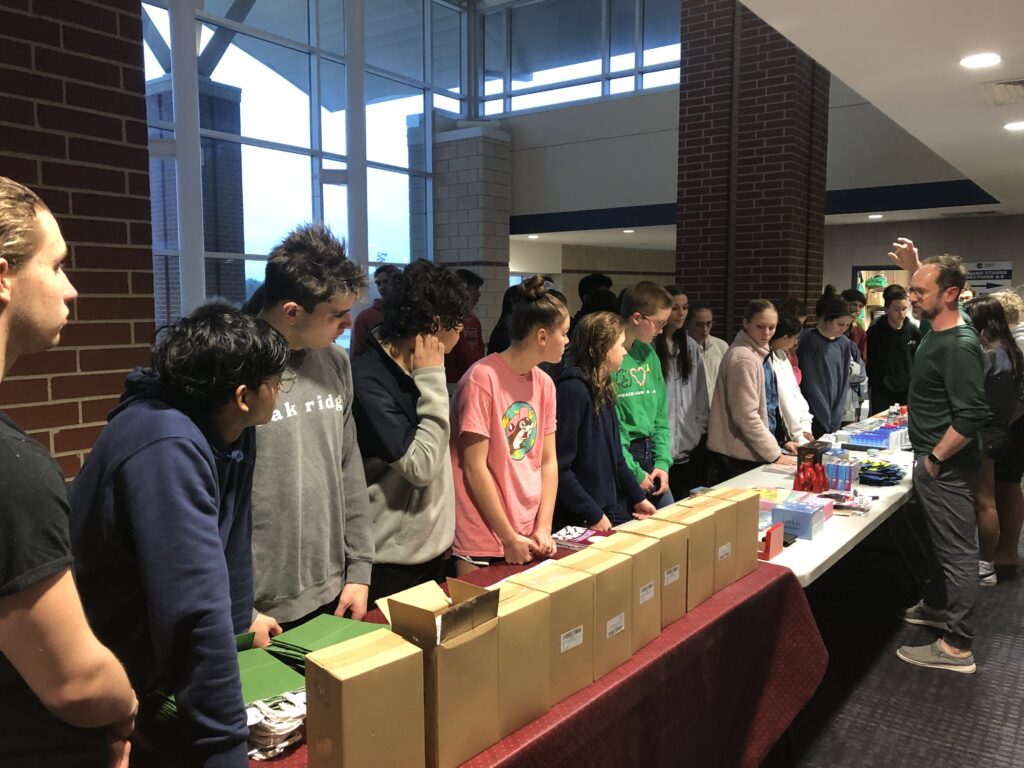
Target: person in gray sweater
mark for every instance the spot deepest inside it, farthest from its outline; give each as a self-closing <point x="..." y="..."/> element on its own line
<point x="312" y="538"/>
<point x="401" y="414"/>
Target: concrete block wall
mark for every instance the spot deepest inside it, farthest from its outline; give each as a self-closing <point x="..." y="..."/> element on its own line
<point x="472" y="170"/>
<point x="73" y="127"/>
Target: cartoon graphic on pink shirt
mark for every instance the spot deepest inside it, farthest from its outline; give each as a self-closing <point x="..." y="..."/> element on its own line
<point x="520" y="425"/>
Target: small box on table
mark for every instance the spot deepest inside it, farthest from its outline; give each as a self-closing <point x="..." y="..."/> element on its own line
<point x="645" y="558"/>
<point x="674" y="539"/>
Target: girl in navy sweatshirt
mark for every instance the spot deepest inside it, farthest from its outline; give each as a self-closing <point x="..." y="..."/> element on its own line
<point x="595" y="487"/>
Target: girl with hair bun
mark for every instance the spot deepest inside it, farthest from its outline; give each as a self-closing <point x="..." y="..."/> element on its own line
<point x="595" y="487"/>
<point x="504" y="459"/>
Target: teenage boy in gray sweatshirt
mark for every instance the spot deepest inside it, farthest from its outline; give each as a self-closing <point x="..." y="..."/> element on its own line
<point x="312" y="538"/>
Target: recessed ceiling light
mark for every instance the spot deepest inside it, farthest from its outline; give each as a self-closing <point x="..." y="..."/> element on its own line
<point x="875" y="216"/>
<point x="532" y="237"/>
<point x="980" y="60"/>
<point x="628" y="231"/>
<point x="1015" y="126"/>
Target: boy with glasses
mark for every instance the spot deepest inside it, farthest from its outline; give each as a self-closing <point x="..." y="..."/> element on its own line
<point x="641" y="400"/>
<point x="161" y="520"/>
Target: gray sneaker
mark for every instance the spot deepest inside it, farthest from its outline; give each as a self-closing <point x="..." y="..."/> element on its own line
<point x="987" y="573"/>
<point x="921" y="613"/>
<point x="934" y="657"/>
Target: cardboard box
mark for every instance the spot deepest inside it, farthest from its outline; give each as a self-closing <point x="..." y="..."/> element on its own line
<point x="459" y="641"/>
<point x="524" y="656"/>
<point x="613" y="612"/>
<point x="700" y="561"/>
<point x="572" y="616"/>
<point x="645" y="554"/>
<point x="725" y="536"/>
<point x="364" y="703"/>
<point x="674" y="540"/>
<point x="747" y="511"/>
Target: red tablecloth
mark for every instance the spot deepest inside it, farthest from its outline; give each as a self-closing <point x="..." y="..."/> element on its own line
<point x="716" y="688"/>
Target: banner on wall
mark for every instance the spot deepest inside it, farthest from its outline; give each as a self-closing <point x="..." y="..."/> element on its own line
<point x="989" y="276"/>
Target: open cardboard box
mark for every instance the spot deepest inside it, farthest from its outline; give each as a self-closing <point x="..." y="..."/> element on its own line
<point x="364" y="703"/>
<point x="459" y="640"/>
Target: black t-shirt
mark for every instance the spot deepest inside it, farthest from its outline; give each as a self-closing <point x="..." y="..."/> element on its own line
<point x="34" y="545"/>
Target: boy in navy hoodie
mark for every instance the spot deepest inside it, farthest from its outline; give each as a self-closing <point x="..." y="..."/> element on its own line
<point x="161" y="520"/>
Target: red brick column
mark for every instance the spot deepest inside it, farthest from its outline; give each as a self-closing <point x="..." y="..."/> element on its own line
<point x="753" y="138"/>
<point x="73" y="127"/>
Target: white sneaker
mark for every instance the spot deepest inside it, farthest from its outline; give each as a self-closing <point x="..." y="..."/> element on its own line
<point x="987" y="573"/>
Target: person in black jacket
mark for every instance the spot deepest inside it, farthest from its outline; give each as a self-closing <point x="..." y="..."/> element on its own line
<point x="401" y="415"/>
<point x="595" y="488"/>
<point x="891" y="344"/>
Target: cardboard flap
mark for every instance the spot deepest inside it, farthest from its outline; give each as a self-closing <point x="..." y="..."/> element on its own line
<point x="415" y="624"/>
<point x="471" y="612"/>
<point x="463" y="590"/>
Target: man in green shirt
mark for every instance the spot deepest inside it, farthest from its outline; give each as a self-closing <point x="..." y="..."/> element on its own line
<point x="946" y="408"/>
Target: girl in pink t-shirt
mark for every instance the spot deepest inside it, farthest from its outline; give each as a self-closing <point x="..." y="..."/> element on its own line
<point x="504" y="462"/>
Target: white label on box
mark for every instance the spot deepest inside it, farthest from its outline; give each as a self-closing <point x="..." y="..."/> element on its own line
<point x="725" y="550"/>
<point x="615" y="625"/>
<point x="646" y="592"/>
<point x="672" y="575"/>
<point x="572" y="638"/>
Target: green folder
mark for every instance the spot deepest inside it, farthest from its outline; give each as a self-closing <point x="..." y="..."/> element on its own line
<point x="320" y="632"/>
<point x="264" y="677"/>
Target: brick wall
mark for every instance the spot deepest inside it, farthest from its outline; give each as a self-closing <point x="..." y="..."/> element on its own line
<point x="774" y="182"/>
<point x="73" y="127"/>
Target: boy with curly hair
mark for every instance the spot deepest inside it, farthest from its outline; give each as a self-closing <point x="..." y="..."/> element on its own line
<point x="401" y="414"/>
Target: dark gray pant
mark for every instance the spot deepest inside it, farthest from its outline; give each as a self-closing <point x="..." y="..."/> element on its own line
<point x="948" y="506"/>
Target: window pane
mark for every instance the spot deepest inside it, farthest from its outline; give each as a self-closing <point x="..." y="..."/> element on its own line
<point x="494" y="106"/>
<point x="622" y="85"/>
<point x="495" y="55"/>
<point x="663" y="77"/>
<point x="447" y="103"/>
<point x="623" y="34"/>
<point x="255" y="272"/>
<point x="258" y="89"/>
<point x="225" y="279"/>
<point x="555" y="42"/>
<point x="252" y="196"/>
<point x="332" y="107"/>
<point x="661" y="31"/>
<point x="394" y="123"/>
<point x="557" y="96"/>
<point x="394" y="36"/>
<point x="285" y="19"/>
<point x="392" y="215"/>
<point x="336" y="203"/>
<point x="446" y="30"/>
<point x="163" y="202"/>
<point x="156" y="35"/>
<point x="332" y="25"/>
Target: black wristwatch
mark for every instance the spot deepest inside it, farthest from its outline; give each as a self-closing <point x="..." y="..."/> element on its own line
<point x="934" y="460"/>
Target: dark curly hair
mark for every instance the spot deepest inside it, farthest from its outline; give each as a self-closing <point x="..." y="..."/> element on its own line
<point x="204" y="357"/>
<point x="310" y="267"/>
<point x="425" y="298"/>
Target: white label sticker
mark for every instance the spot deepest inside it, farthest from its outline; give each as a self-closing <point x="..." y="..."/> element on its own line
<point x="615" y="625"/>
<point x="572" y="638"/>
<point x="672" y="575"/>
<point x="646" y="592"/>
<point x="725" y="550"/>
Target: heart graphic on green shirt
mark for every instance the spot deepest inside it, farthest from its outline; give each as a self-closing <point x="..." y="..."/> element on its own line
<point x="641" y="379"/>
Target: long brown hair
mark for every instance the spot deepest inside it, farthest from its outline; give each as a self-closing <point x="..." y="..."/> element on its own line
<point x="592" y="338"/>
<point x="989" y="319"/>
<point x="680" y="339"/>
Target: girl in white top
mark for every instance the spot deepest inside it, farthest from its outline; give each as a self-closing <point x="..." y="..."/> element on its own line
<point x="796" y="414"/>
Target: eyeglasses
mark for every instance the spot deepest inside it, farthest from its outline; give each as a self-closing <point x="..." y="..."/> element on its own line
<point x="659" y="324"/>
<point x="286" y="382"/>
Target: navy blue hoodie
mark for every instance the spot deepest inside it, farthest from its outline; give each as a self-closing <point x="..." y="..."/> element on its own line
<point x="161" y="526"/>
<point x="593" y="479"/>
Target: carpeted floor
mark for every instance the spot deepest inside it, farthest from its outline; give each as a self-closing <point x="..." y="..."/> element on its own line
<point x="873" y="709"/>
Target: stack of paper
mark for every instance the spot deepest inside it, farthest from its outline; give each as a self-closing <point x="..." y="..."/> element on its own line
<point x="321" y="632"/>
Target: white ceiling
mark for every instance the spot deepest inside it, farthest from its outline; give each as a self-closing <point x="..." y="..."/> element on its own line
<point x="904" y="57"/>
<point x="648" y="238"/>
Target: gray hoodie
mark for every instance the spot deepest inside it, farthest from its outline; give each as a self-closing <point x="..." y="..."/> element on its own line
<point x="311" y="531"/>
